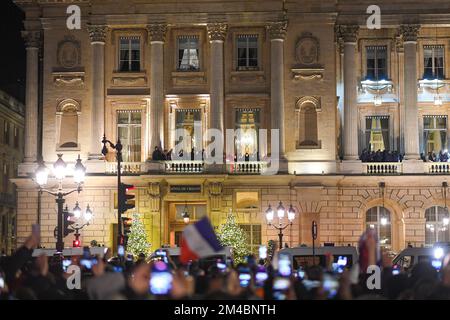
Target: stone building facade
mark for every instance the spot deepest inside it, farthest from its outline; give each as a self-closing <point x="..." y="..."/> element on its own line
<point x="11" y="155"/>
<point x="138" y="70"/>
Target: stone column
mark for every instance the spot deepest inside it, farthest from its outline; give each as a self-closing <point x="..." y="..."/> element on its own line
<point x="217" y="33"/>
<point x="33" y="43"/>
<point x="157" y="33"/>
<point x="97" y="34"/>
<point x="400" y="93"/>
<point x="349" y="34"/>
<point x="409" y="35"/>
<point x="277" y="34"/>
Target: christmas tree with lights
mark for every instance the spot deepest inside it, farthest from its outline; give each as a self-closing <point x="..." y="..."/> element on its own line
<point x="231" y="235"/>
<point x="137" y="240"/>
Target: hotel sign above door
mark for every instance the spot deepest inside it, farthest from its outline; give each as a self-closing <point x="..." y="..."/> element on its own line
<point x="186" y="189"/>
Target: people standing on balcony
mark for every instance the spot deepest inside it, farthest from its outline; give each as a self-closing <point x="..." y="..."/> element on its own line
<point x="443" y="156"/>
<point x="157" y="154"/>
<point x="169" y="155"/>
<point x="247" y="157"/>
<point x="380" y="156"/>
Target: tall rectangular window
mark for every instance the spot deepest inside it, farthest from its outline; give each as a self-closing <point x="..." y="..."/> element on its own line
<point x="130" y="54"/>
<point x="129" y="132"/>
<point x="253" y="232"/>
<point x="433" y="62"/>
<point x="377" y="133"/>
<point x="6" y="177"/>
<point x="247" y="120"/>
<point x="434" y="134"/>
<point x="376" y="63"/>
<point x="435" y="228"/>
<point x="16" y="137"/>
<point x="247" y="52"/>
<point x="188" y="53"/>
<point x="190" y="120"/>
<point x="6" y="132"/>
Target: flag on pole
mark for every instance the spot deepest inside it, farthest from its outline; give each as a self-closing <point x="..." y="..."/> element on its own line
<point x="198" y="241"/>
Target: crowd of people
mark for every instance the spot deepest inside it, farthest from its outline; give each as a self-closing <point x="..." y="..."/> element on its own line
<point x="24" y="277"/>
<point x="443" y="156"/>
<point x="380" y="156"/>
<point x="163" y="155"/>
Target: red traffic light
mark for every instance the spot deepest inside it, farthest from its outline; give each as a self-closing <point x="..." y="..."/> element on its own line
<point x="76" y="243"/>
<point x="125" y="200"/>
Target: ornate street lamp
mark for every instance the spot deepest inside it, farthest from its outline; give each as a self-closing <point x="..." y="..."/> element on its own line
<point x="88" y="215"/>
<point x="185" y="214"/>
<point x="383" y="219"/>
<point x="118" y="147"/>
<point x="60" y="171"/>
<point x="282" y="225"/>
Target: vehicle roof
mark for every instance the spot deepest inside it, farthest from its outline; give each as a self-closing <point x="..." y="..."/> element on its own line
<point x="95" y="251"/>
<point x="176" y="251"/>
<point x="320" y="250"/>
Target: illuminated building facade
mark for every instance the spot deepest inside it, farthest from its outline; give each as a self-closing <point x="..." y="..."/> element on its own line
<point x="337" y="91"/>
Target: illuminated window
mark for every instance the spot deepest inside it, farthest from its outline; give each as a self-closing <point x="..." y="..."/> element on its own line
<point x="377" y="133"/>
<point x="130" y="54"/>
<point x="196" y="211"/>
<point x="188" y="53"/>
<point x="434" y="133"/>
<point x="376" y="63"/>
<point x="247" y="200"/>
<point x="379" y="219"/>
<point x="433" y="62"/>
<point x="436" y="225"/>
<point x="129" y="132"/>
<point x="246" y="143"/>
<point x="190" y="120"/>
<point x="253" y="232"/>
<point x="247" y="52"/>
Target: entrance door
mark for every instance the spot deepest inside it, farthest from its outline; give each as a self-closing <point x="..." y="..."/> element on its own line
<point x="196" y="210"/>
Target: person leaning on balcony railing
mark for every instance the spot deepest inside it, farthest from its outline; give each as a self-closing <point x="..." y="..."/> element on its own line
<point x="443" y="156"/>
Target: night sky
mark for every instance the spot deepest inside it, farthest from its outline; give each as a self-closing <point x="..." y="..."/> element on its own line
<point x="12" y="50"/>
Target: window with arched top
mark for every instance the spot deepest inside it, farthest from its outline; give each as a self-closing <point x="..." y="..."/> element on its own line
<point x="67" y="123"/>
<point x="379" y="219"/>
<point x="436" y="225"/>
<point x="307" y="123"/>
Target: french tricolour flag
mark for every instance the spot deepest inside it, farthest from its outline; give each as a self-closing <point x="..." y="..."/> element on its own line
<point x="199" y="240"/>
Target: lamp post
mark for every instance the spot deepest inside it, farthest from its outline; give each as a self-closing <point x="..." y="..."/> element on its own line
<point x="185" y="214"/>
<point x="118" y="147"/>
<point x="88" y="215"/>
<point x="59" y="172"/>
<point x="282" y="225"/>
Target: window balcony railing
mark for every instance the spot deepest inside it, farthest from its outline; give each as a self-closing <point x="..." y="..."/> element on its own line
<point x="382" y="168"/>
<point x="437" y="167"/>
<point x="246" y="167"/>
<point x="184" y="166"/>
